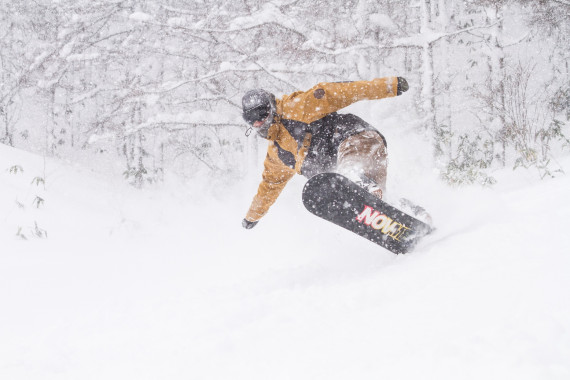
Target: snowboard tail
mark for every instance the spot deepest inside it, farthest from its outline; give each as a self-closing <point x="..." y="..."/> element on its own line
<point x="335" y="198"/>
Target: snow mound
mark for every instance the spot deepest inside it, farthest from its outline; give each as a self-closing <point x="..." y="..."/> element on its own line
<point x="164" y="283"/>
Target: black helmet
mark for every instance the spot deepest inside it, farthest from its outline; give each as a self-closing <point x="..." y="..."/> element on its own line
<point x="259" y="105"/>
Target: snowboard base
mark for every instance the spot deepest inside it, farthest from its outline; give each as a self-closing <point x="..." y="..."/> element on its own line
<point x="335" y="198"/>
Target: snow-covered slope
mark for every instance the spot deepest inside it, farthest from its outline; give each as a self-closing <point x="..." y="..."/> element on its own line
<point x="165" y="284"/>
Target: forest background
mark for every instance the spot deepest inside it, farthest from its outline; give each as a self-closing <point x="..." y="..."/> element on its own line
<point x="156" y="85"/>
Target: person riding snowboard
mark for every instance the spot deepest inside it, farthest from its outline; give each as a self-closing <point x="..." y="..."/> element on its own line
<point x="306" y="136"/>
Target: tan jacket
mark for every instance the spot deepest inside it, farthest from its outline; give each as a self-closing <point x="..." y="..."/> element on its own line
<point x="290" y="135"/>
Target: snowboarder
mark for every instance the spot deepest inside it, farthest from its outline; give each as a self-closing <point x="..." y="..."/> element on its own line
<point x="306" y="136"/>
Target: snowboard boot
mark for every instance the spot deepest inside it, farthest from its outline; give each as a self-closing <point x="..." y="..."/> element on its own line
<point x="370" y="186"/>
<point x="416" y="211"/>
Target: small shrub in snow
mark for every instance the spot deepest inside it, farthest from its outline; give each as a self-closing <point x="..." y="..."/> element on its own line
<point x="16" y="169"/>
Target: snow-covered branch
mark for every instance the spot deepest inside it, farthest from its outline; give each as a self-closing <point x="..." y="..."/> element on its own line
<point x="429" y="38"/>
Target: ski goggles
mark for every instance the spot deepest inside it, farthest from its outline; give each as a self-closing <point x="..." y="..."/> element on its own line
<point x="256" y="114"/>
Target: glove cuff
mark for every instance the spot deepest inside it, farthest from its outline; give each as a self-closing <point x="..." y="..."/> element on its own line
<point x="402" y="86"/>
<point x="247" y="224"/>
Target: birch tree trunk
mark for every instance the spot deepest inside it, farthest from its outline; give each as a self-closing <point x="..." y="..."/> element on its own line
<point x="428" y="78"/>
<point x="445" y="81"/>
<point x="498" y="73"/>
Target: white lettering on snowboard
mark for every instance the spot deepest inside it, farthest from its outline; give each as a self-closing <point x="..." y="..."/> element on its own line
<point x="382" y="223"/>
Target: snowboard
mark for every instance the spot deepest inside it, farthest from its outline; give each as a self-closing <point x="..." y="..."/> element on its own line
<point x="335" y="198"/>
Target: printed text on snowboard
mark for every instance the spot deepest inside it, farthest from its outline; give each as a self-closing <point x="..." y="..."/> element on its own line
<point x="381" y="222"/>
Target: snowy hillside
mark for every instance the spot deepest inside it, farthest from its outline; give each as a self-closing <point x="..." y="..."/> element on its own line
<point x="165" y="284"/>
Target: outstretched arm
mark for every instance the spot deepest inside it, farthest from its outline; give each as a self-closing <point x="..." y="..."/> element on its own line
<point x="326" y="98"/>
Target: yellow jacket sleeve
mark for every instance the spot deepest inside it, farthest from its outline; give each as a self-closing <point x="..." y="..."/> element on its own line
<point x="274" y="178"/>
<point x="326" y="98"/>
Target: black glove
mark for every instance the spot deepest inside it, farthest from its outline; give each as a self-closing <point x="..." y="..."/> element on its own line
<point x="247" y="224"/>
<point x="402" y="86"/>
